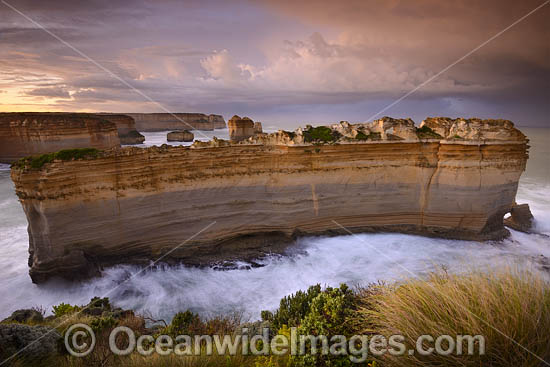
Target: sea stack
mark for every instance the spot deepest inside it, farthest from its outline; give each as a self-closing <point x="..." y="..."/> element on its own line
<point x="182" y="135"/>
<point x="450" y="178"/>
<point x="240" y="128"/>
<point x="30" y="133"/>
<point x="126" y="127"/>
<point x="258" y="128"/>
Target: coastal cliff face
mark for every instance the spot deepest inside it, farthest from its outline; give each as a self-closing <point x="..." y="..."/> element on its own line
<point x="126" y="127"/>
<point x="134" y="205"/>
<point x="27" y="133"/>
<point x="177" y="121"/>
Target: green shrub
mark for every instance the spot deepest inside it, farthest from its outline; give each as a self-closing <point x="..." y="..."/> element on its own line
<point x="292" y="309"/>
<point x="320" y="134"/>
<point x="361" y="136"/>
<point x="425" y="132"/>
<point x="64" y="309"/>
<point x="100" y="302"/>
<point x="103" y="323"/>
<point x="37" y="162"/>
<point x="372" y="136"/>
<point x="328" y="315"/>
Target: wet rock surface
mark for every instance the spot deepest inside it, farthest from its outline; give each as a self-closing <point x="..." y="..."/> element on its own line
<point x="521" y="218"/>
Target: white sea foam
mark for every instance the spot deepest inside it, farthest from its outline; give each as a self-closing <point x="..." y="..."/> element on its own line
<point x="329" y="261"/>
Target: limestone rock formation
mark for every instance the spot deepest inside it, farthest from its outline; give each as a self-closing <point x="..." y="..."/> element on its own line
<point x="177" y="121"/>
<point x="473" y="129"/>
<point x="31" y="133"/>
<point x="240" y="128"/>
<point x="181" y="135"/>
<point x="253" y="196"/>
<point x="126" y="127"/>
<point x="520" y="218"/>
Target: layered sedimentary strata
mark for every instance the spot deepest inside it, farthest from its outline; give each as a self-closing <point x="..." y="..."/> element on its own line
<point x="30" y="133"/>
<point x="219" y="200"/>
<point x="177" y="121"/>
<point x="126" y="127"/>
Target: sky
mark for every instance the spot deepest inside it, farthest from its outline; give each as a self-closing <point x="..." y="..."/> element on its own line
<point x="283" y="62"/>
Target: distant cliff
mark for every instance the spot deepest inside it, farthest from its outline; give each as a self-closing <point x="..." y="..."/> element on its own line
<point x="126" y="127"/>
<point x="134" y="205"/>
<point x="30" y="133"/>
<point x="177" y="121"/>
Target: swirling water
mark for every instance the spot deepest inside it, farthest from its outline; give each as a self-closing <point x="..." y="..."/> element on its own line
<point x="355" y="260"/>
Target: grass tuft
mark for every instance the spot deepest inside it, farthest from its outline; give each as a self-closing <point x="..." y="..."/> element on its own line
<point x="500" y="306"/>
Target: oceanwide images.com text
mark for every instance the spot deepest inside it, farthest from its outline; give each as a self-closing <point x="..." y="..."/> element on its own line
<point x="80" y="341"/>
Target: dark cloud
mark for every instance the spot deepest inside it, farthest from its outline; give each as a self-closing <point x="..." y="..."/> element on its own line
<point x="279" y="59"/>
<point x="49" y="92"/>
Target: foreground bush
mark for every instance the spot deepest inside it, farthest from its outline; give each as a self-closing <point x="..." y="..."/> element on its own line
<point x="500" y="306"/>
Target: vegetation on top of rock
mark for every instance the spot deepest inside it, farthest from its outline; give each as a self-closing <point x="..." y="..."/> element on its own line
<point x="372" y="136"/>
<point x="320" y="134"/>
<point x="290" y="134"/>
<point x="425" y="132"/>
<point x="37" y="162"/>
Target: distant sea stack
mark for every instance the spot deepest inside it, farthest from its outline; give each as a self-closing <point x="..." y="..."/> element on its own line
<point x="258" y="127"/>
<point x="177" y="121"/>
<point x="30" y="133"/>
<point x="126" y="127"/>
<point x="180" y="135"/>
<point x="447" y="178"/>
<point x="240" y="128"/>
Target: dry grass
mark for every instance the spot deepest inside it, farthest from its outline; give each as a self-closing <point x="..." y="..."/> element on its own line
<point x="500" y="305"/>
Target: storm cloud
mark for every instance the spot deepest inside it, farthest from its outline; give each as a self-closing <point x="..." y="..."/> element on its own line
<point x="283" y="62"/>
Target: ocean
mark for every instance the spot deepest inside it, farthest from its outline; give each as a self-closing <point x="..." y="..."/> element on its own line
<point x="355" y="260"/>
